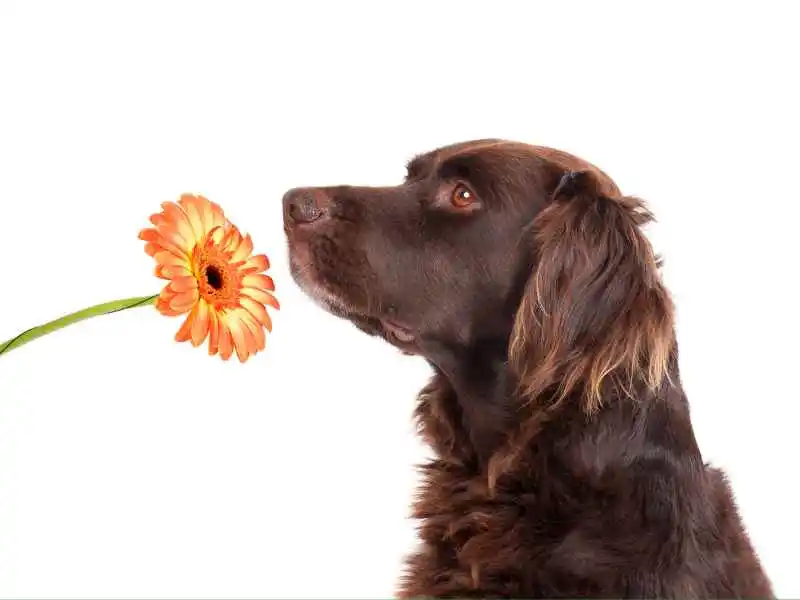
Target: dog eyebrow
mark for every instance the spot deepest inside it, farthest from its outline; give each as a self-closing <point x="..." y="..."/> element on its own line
<point x="458" y="165"/>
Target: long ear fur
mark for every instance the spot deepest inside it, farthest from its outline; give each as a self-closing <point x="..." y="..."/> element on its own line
<point x="595" y="321"/>
<point x="594" y="315"/>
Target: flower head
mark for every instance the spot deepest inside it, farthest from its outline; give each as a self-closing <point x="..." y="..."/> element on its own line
<point x="213" y="276"/>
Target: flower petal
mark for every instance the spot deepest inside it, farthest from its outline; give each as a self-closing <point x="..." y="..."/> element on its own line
<point x="213" y="331"/>
<point x="170" y="233"/>
<point x="191" y="206"/>
<point x="184" y="301"/>
<point x="225" y="340"/>
<point x="162" y="305"/>
<point x="183" y="283"/>
<point x="218" y="216"/>
<point x="256" y="330"/>
<point x="242" y="338"/>
<point x="209" y="214"/>
<point x="206" y="214"/>
<point x="172" y="271"/>
<point x="232" y="241"/>
<point x="256" y="263"/>
<point x="152" y="249"/>
<point x="169" y="259"/>
<point x="201" y="322"/>
<point x="224" y="241"/>
<point x="244" y="250"/>
<point x="166" y="294"/>
<point x="150" y="235"/>
<point x="184" y="334"/>
<point x="258" y="280"/>
<point x="180" y="222"/>
<point x="258" y="295"/>
<point x="215" y="236"/>
<point x="159" y="220"/>
<point x="273" y="302"/>
<point x="258" y="311"/>
<point x="156" y="238"/>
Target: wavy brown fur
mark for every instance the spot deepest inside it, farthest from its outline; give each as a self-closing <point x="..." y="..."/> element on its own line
<point x="595" y="305"/>
<point x="595" y="319"/>
<point x="565" y="461"/>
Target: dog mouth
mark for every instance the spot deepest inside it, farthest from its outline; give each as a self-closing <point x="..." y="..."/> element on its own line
<point x="398" y="332"/>
<point x="393" y="330"/>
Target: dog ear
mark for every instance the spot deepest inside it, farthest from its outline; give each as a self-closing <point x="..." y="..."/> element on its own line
<point x="594" y="316"/>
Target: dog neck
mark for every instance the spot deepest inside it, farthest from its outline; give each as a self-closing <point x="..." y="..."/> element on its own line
<point x="479" y="377"/>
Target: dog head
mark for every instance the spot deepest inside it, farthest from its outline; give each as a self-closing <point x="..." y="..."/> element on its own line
<point x="492" y="242"/>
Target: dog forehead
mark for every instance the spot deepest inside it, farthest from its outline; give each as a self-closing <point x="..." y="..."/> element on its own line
<point x="428" y="162"/>
<point x="485" y="147"/>
<point x="469" y="146"/>
<point x="498" y="150"/>
<point x="502" y="149"/>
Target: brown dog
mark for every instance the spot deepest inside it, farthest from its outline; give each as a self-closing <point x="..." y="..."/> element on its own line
<point x="566" y="461"/>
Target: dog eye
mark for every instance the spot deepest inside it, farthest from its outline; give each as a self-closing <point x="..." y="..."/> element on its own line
<point x="456" y="198"/>
<point x="462" y="197"/>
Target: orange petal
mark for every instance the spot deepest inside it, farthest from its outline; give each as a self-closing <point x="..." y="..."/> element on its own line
<point x="256" y="263"/>
<point x="225" y="340"/>
<point x="158" y="220"/>
<point x="162" y="222"/>
<point x="206" y="212"/>
<point x="163" y="307"/>
<point x="215" y="236"/>
<point x="258" y="311"/>
<point x="232" y="240"/>
<point x="258" y="295"/>
<point x="252" y="341"/>
<point x="169" y="233"/>
<point x="213" y="331"/>
<point x="210" y="213"/>
<point x="172" y="271"/>
<point x="201" y="322"/>
<point x="149" y="235"/>
<point x="189" y="203"/>
<point x="273" y="302"/>
<point x="242" y="338"/>
<point x="217" y="216"/>
<point x="166" y="294"/>
<point x="169" y="259"/>
<point x="183" y="283"/>
<point x="154" y="237"/>
<point x="184" y="334"/>
<point x="152" y="249"/>
<point x="256" y="330"/>
<point x="244" y="250"/>
<point x="258" y="280"/>
<point x="184" y="301"/>
<point x="180" y="222"/>
<point x="227" y="232"/>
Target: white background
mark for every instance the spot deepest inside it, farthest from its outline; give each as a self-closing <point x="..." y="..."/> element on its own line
<point x="131" y="466"/>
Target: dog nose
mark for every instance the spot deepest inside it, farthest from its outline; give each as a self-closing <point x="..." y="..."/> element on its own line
<point x="304" y="205"/>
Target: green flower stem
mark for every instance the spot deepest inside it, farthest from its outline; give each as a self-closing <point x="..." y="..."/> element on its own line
<point x="87" y="313"/>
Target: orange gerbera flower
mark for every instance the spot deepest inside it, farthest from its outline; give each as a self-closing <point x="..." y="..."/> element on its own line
<point x="213" y="276"/>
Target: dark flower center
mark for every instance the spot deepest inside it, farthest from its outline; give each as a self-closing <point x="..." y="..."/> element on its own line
<point x="214" y="277"/>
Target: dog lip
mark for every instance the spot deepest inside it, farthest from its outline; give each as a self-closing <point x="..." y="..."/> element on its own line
<point x="400" y="332"/>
